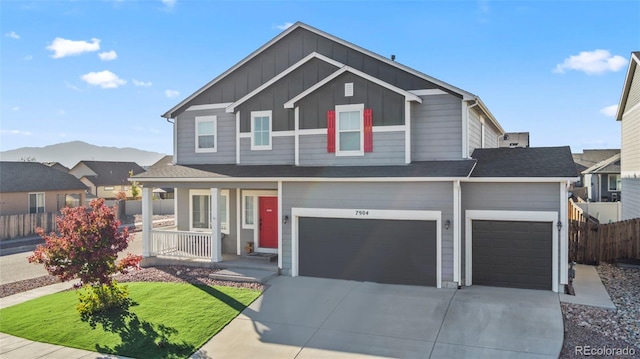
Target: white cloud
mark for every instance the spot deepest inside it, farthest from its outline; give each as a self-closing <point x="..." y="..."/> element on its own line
<point x="63" y="47"/>
<point x="141" y="83"/>
<point x="169" y="3"/>
<point x="16" y="108"/>
<point x="28" y="58"/>
<point x="171" y="93"/>
<point x="12" y="35"/>
<point x="284" y="26"/>
<point x="73" y="87"/>
<point x="609" y="111"/>
<point x="62" y="112"/>
<point x="105" y="79"/>
<point x="108" y="55"/>
<point x="16" y="132"/>
<point x="592" y="62"/>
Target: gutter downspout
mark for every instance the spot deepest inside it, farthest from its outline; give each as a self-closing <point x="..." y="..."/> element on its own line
<point x="465" y="128"/>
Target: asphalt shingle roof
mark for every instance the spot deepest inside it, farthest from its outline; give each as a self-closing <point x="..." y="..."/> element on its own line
<point x="524" y="162"/>
<point x="33" y="176"/>
<point x="460" y="168"/>
<point x="111" y="172"/>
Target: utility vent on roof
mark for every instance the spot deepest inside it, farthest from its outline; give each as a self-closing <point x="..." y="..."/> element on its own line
<point x="348" y="89"/>
<point x="514" y="140"/>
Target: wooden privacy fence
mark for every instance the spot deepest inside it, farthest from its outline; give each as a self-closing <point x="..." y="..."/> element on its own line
<point x="591" y="242"/>
<point x="24" y="225"/>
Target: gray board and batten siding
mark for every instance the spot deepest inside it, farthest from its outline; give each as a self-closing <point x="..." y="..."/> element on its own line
<point x="433" y="196"/>
<point x="292" y="48"/>
<point x="436" y="128"/>
<point x="226" y="138"/>
<point x="388" y="149"/>
<point x="274" y="96"/>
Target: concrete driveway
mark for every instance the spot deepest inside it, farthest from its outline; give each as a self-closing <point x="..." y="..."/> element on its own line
<point x="300" y="317"/>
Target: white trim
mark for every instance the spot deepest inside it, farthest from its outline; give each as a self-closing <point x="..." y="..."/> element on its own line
<point x="232" y="106"/>
<point x="457" y="241"/>
<point x="200" y="119"/>
<point x="283" y="133"/>
<point x="243" y="220"/>
<point x="349" y="108"/>
<point x="256" y="217"/>
<point x="465" y="129"/>
<point x="263" y="147"/>
<point x="407" y="132"/>
<point x="280" y="218"/>
<point x="633" y="108"/>
<point x="408" y="96"/>
<point x="212" y="106"/>
<point x="428" y="92"/>
<point x="175" y="141"/>
<point x="207" y="192"/>
<point x="238" y="222"/>
<point x="297" y="212"/>
<point x="216" y="238"/>
<point x="394" y="128"/>
<point x="312" y="131"/>
<point x="630" y="174"/>
<point x="482" y="132"/>
<point x="564" y="233"/>
<point x="44" y="202"/>
<point x="615" y="180"/>
<point x="147" y="220"/>
<point x="362" y="179"/>
<point x="244" y="135"/>
<point x="626" y="88"/>
<point x="238" y="137"/>
<point x="521" y="216"/>
<point x="296" y="131"/>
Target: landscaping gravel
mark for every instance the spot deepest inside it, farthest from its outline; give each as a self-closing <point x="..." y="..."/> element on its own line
<point x="602" y="328"/>
<point x="27" y="284"/>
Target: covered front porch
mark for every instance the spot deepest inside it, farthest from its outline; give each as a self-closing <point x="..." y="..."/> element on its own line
<point x="218" y="225"/>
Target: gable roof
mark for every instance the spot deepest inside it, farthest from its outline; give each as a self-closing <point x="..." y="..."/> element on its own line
<point x="35" y="177"/>
<point x="635" y="60"/>
<point x="111" y="172"/>
<point x="524" y="162"/>
<point x="468" y="96"/>
<point x="590" y="157"/>
<point x="167" y="159"/>
<point x="609" y="165"/>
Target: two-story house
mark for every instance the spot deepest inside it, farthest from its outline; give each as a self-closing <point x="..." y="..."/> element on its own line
<point x="629" y="117"/>
<point x="106" y="179"/>
<point x="349" y="165"/>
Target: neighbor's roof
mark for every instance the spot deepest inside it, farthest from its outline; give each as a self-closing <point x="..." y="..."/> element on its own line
<point x="524" y="162"/>
<point x="111" y="172"/>
<point x="633" y="63"/>
<point x="168" y="159"/>
<point x="33" y="176"/>
<point x="460" y="168"/>
<point x="609" y="165"/>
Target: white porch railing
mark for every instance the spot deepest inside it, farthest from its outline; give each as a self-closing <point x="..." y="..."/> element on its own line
<point x="180" y="244"/>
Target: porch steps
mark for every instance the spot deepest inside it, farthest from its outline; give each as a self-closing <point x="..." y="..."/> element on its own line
<point x="244" y="275"/>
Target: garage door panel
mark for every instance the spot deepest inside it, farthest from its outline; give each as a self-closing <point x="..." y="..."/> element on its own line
<point x="384" y="251"/>
<point x="512" y="254"/>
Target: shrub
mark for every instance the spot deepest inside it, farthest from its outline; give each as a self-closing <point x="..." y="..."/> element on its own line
<point x="101" y="298"/>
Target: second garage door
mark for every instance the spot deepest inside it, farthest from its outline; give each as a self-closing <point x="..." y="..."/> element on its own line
<point x="512" y="254"/>
<point x="383" y="251"/>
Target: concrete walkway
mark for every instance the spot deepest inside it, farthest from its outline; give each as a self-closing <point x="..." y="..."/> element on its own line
<point x="588" y="288"/>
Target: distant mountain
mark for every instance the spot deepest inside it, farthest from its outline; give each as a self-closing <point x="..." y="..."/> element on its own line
<point x="70" y="153"/>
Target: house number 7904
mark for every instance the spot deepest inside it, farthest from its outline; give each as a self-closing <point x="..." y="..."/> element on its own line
<point x="362" y="213"/>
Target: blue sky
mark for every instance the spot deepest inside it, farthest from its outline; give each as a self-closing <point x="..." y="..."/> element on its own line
<point x="104" y="71"/>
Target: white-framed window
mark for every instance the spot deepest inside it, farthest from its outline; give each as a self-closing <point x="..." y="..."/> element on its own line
<point x="614" y="182"/>
<point x="349" y="130"/>
<point x="206" y="134"/>
<point x="248" y="211"/>
<point x="36" y="202"/>
<point x="261" y="130"/>
<point x="200" y="210"/>
<point x="109" y="188"/>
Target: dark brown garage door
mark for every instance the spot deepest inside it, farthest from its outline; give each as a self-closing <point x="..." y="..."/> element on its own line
<point x="383" y="251"/>
<point x="512" y="254"/>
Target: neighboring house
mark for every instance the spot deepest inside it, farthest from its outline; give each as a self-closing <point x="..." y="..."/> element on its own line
<point x="349" y="165"/>
<point x="105" y="178"/>
<point x="629" y="116"/>
<point x="57" y="165"/>
<point x="164" y="192"/>
<point x="30" y="187"/>
<point x="602" y="180"/>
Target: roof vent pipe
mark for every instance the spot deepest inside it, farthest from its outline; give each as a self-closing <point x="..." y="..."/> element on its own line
<point x="393" y="57"/>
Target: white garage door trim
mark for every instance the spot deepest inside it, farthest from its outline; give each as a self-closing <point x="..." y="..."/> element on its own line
<point x="519" y="216"/>
<point x="363" y="213"/>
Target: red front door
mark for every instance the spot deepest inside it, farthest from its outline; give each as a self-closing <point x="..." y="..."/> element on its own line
<point x="268" y="212"/>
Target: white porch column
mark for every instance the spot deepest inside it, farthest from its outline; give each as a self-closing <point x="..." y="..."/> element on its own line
<point x="147" y="219"/>
<point x="216" y="241"/>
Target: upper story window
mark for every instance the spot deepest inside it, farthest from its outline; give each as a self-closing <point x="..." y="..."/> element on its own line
<point x="614" y="182"/>
<point x="349" y="134"/>
<point x="36" y="202"/>
<point x="261" y="130"/>
<point x="206" y="134"/>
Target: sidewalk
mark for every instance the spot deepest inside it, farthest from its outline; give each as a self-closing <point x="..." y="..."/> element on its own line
<point x="588" y="288"/>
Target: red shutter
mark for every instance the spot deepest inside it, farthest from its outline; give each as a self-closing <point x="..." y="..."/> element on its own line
<point x="331" y="131"/>
<point x="368" y="130"/>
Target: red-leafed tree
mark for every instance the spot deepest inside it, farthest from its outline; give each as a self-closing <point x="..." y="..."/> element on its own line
<point x="86" y="247"/>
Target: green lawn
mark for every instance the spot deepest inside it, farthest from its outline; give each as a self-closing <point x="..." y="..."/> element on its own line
<point x="183" y="316"/>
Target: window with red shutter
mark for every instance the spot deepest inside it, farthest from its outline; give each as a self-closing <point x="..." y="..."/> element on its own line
<point x="368" y="130"/>
<point x="331" y="131"/>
